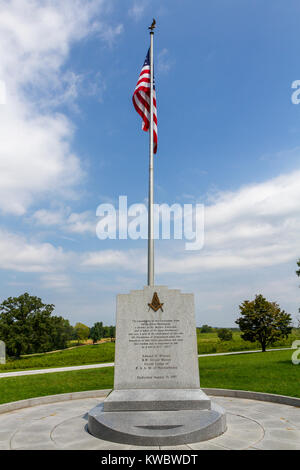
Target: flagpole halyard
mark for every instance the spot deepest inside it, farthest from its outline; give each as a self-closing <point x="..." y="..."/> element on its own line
<point x="151" y="176"/>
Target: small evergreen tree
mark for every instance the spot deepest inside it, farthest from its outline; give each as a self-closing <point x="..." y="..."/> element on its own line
<point x="96" y="332"/>
<point x="112" y="332"/>
<point x="225" y="334"/>
<point x="206" y="329"/>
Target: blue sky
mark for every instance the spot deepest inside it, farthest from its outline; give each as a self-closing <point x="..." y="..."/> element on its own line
<point x="229" y="137"/>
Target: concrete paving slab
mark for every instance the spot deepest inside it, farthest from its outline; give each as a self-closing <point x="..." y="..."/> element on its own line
<point x="62" y="425"/>
<point x="4" y="446"/>
<point x="48" y="446"/>
<point x="205" y="446"/>
<point x="271" y="444"/>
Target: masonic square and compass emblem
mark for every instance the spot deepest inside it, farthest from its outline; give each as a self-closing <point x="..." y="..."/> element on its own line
<point x="155" y="304"/>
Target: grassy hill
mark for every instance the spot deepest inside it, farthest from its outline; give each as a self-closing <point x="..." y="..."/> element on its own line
<point x="271" y="372"/>
<point x="209" y="343"/>
<point x="90" y="354"/>
<point x="104" y="352"/>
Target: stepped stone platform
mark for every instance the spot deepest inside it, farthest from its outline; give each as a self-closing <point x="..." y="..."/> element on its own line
<point x="251" y="424"/>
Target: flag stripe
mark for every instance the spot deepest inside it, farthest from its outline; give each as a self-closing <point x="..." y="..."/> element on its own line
<point x="141" y="100"/>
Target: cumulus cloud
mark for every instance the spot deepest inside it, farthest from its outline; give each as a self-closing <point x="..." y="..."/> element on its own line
<point x="84" y="222"/>
<point x="110" y="33"/>
<point x="115" y="259"/>
<point x="35" y="156"/>
<point x="257" y="225"/>
<point x="66" y="220"/>
<point x="164" y="63"/>
<point x="137" y="9"/>
<point x="52" y="217"/>
<point x="19" y="254"/>
<point x="36" y="36"/>
<point x="56" y="281"/>
<point x="36" y="144"/>
<point x="248" y="232"/>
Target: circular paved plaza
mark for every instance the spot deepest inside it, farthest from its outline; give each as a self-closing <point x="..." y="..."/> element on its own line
<point x="252" y="424"/>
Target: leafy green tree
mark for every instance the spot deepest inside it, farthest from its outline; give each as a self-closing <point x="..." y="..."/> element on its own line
<point x="225" y="334"/>
<point x="61" y="332"/>
<point x="112" y="332"/>
<point x="263" y="321"/>
<point x="206" y="329"/>
<point x="96" y="332"/>
<point x="82" y="332"/>
<point x="105" y="331"/>
<point x="26" y="326"/>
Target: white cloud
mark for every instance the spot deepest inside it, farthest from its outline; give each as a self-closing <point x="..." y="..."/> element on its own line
<point x="110" y="33"/>
<point x="84" y="222"/>
<point x="35" y="40"/>
<point x="19" y="254"/>
<point x="35" y="157"/>
<point x="273" y="198"/>
<point x="138" y="9"/>
<point x="257" y="225"/>
<point x="36" y="36"/>
<point x="65" y="220"/>
<point x="47" y="217"/>
<point x="164" y="63"/>
<point x="252" y="243"/>
<point x="115" y="259"/>
<point x="56" y="281"/>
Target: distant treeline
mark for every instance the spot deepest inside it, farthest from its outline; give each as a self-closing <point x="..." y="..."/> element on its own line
<point x="28" y="326"/>
<point x="213" y="329"/>
<point x="97" y="332"/>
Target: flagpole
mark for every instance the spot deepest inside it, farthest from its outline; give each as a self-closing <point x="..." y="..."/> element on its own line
<point x="151" y="176"/>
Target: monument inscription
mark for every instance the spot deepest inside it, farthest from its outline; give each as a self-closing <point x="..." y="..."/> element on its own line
<point x="161" y="349"/>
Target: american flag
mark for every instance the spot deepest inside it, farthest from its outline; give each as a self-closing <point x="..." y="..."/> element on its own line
<point x="141" y="100"/>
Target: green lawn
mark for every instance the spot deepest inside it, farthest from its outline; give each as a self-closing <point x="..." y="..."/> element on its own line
<point x="209" y="343"/>
<point x="91" y="354"/>
<point x="271" y="372"/>
<point x="30" y="386"/>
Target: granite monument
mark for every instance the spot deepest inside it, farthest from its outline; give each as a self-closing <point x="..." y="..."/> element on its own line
<point x="156" y="398"/>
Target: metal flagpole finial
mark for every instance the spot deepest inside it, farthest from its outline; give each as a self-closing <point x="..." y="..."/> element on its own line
<point x="152" y="26"/>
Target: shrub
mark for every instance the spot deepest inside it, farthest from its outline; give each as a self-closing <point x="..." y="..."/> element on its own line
<point x="224" y="334"/>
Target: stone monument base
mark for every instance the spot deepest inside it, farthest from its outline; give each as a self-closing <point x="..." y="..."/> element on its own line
<point x="156" y="400"/>
<point x="157" y="417"/>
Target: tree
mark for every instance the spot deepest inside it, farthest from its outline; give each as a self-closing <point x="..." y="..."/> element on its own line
<point x="26" y="326"/>
<point x="61" y="332"/>
<point x="96" y="332"/>
<point x="263" y="321"/>
<point x="206" y="329"/>
<point x="82" y="332"/>
<point x="112" y="332"/>
<point x="225" y="334"/>
<point x="105" y="331"/>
